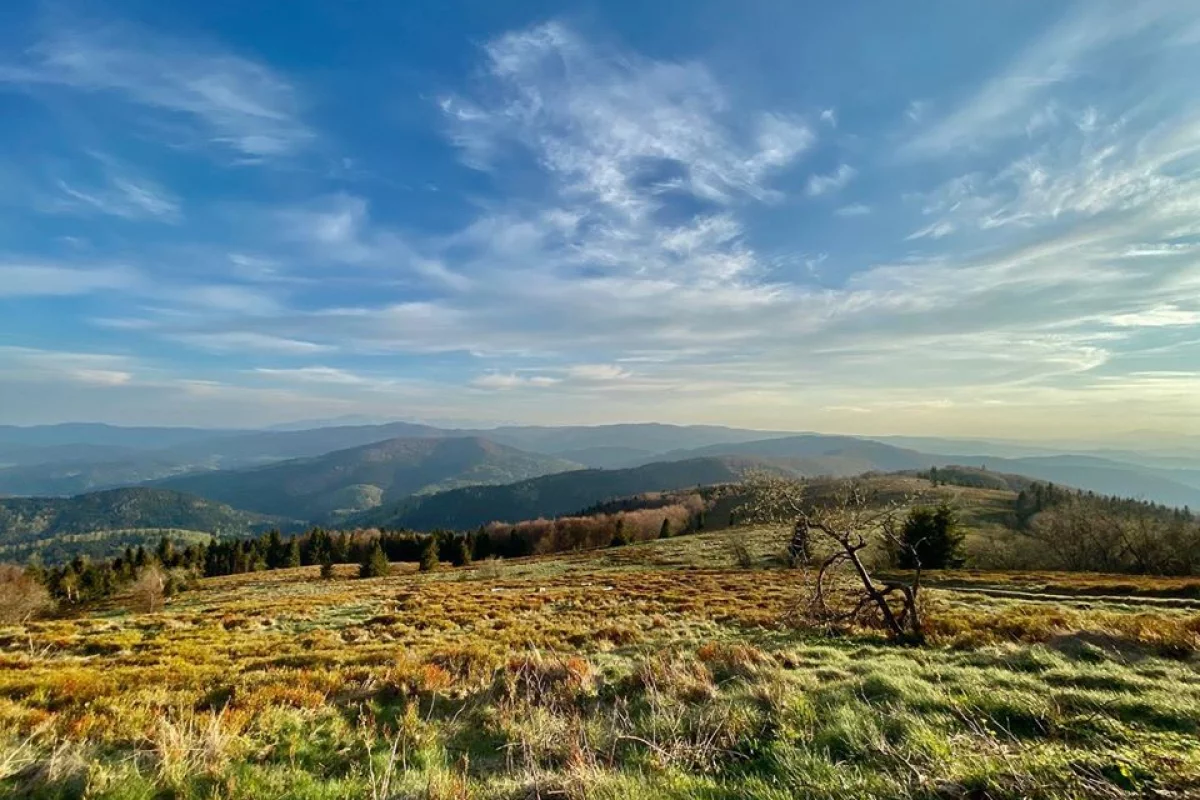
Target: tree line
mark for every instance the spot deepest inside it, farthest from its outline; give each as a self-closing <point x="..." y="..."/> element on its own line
<point x="168" y="568"/>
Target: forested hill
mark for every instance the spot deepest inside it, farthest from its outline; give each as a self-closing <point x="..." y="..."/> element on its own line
<point x="328" y="487"/>
<point x="101" y="523"/>
<point x="551" y="495"/>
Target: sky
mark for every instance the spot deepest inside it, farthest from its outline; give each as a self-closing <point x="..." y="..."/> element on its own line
<point x="936" y="218"/>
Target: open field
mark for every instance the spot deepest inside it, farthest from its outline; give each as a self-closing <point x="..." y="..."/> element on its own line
<point x="660" y="670"/>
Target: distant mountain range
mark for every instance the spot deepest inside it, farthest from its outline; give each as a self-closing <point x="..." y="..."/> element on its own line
<point x="327" y="487"/>
<point x="409" y="474"/>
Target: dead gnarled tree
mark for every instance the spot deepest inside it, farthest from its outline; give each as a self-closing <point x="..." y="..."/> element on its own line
<point x="840" y="522"/>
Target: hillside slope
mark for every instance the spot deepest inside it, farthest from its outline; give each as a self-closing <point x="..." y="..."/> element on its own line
<point x="57" y="527"/>
<point x="331" y="485"/>
<point x="550" y="496"/>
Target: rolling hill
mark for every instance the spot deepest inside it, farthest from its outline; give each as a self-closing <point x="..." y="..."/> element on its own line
<point x="102" y="523"/>
<point x="332" y="485"/>
<point x="549" y="496"/>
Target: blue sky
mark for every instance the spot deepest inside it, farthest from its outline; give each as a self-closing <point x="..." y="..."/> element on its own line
<point x="934" y="217"/>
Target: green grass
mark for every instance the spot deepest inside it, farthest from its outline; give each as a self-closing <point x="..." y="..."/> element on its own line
<point x="653" y="671"/>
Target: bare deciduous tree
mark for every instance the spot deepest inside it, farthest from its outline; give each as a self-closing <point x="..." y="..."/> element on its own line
<point x="22" y="597"/>
<point x="150" y="587"/>
<point x="840" y="521"/>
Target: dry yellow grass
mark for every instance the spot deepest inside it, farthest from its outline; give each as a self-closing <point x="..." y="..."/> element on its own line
<point x="213" y="679"/>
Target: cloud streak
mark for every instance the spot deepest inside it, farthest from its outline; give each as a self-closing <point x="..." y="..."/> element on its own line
<point x="230" y="101"/>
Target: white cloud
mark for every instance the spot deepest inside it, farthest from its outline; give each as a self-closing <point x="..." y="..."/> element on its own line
<point x="1161" y="316"/>
<point x="94" y="369"/>
<point x="611" y="125"/>
<point x="339" y="228"/>
<point x="232" y="101"/>
<point x="123" y="196"/>
<point x="314" y="375"/>
<point x="599" y="373"/>
<point x="824" y="184"/>
<point x="33" y="280"/>
<point x="935" y="230"/>
<point x="504" y="381"/>
<point x="853" y="210"/>
<point x="250" y="341"/>
<point x="101" y="377"/>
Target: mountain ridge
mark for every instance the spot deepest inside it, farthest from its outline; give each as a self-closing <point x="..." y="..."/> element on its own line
<point x="328" y="486"/>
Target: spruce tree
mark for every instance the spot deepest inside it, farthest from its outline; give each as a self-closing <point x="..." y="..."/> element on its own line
<point x="931" y="539"/>
<point x="620" y="537"/>
<point x="375" y="565"/>
<point x="292" y="559"/>
<point x="429" y="554"/>
<point x="275" y="549"/>
<point x="462" y="551"/>
<point x="166" y="552"/>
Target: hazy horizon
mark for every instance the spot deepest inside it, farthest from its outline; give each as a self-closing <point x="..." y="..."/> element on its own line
<point x="937" y="219"/>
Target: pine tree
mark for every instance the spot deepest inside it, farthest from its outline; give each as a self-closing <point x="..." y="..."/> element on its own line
<point x="375" y="565"/>
<point x="429" y="554"/>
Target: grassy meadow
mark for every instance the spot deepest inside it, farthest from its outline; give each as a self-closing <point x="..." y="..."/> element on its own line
<point x="659" y="670"/>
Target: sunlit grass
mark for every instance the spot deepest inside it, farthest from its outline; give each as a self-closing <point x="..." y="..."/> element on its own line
<point x="657" y="670"/>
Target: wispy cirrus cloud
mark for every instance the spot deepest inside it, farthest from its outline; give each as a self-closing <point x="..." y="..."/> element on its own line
<point x="1015" y="98"/>
<point x="120" y="197"/>
<point x="226" y="100"/>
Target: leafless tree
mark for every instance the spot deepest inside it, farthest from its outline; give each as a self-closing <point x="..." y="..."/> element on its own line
<point x="22" y="597"/>
<point x="150" y="587"/>
<point x="841" y="520"/>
